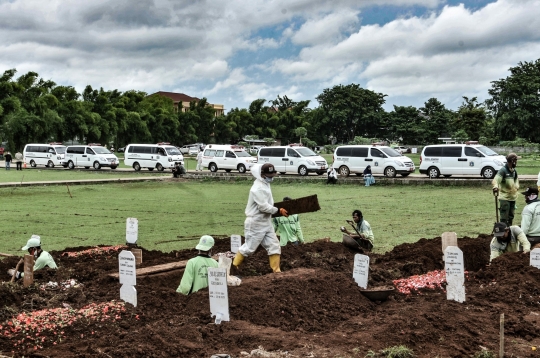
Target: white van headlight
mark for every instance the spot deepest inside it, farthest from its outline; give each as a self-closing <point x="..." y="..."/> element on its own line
<point x="103" y="159"/>
<point x="498" y="162"/>
<point x="400" y="164"/>
<point x="310" y="162"/>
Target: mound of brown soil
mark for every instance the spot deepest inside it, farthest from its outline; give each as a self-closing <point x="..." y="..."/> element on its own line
<point x="313" y="308"/>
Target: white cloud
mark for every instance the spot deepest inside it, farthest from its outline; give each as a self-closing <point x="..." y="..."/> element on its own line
<point x="325" y="29"/>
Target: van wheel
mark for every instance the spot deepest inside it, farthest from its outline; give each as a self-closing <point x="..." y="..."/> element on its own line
<point x="97" y="166"/>
<point x="447" y="176"/>
<point x="50" y="164"/>
<point x="137" y="166"/>
<point x="159" y="167"/>
<point x="302" y="170"/>
<point x="344" y="171"/>
<point x="282" y="173"/>
<point x="71" y="165"/>
<point x="228" y="170"/>
<point x="33" y="164"/>
<point x="488" y="173"/>
<point x="150" y="169"/>
<point x="113" y="167"/>
<point x="86" y="167"/>
<point x="212" y="167"/>
<point x="390" y="172"/>
<point x="358" y="174"/>
<point x="320" y="173"/>
<point x="433" y="172"/>
<point x="242" y="168"/>
<point x="405" y="174"/>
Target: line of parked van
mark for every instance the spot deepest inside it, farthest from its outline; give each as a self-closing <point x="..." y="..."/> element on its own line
<point x="435" y="160"/>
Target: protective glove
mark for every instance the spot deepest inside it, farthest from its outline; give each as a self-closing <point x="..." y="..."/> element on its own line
<point x="283" y="212"/>
<point x="12" y="271"/>
<point x="495" y="191"/>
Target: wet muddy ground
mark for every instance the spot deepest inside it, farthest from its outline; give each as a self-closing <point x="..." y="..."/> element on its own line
<point x="312" y="309"/>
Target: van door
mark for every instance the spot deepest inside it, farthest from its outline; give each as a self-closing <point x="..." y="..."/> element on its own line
<point x="473" y="161"/>
<point x="87" y="158"/>
<point x="377" y="160"/>
<point x="219" y="159"/>
<point x="291" y="160"/>
<point x="230" y="160"/>
<point x="452" y="161"/>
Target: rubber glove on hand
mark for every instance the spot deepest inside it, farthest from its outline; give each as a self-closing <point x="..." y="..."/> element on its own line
<point x="283" y="212"/>
<point x="495" y="191"/>
<point x="12" y="271"/>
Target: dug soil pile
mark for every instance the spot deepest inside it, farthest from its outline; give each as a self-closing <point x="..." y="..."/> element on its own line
<point x="312" y="309"/>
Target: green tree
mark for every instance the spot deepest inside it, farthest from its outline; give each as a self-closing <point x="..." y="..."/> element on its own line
<point x="472" y="118"/>
<point x="352" y="111"/>
<point x="436" y="120"/>
<point x="515" y="102"/>
<point x="300" y="132"/>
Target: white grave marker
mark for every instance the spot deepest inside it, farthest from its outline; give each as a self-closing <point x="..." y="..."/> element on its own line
<point x="455" y="274"/>
<point x="535" y="258"/>
<point x="236" y="242"/>
<point x="128" y="277"/>
<point x="219" y="297"/>
<point x="361" y="270"/>
<point x="132" y="230"/>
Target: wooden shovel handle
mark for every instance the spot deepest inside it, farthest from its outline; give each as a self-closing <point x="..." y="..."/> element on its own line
<point x="16" y="269"/>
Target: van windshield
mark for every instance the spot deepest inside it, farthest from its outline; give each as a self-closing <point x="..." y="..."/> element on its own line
<point x="485" y="150"/>
<point x="172" y="151"/>
<point x="60" y="150"/>
<point x="306" y="152"/>
<point x="391" y="152"/>
<point x="101" y="150"/>
<point x="242" y="153"/>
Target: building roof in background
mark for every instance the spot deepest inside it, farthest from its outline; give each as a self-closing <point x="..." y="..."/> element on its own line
<point x="177" y="97"/>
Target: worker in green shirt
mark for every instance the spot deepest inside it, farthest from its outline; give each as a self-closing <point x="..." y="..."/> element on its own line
<point x="506" y="186"/>
<point x="288" y="228"/>
<point x="43" y="258"/>
<point x="507" y="239"/>
<point x="196" y="273"/>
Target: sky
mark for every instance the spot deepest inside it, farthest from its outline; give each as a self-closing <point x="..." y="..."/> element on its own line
<point x="236" y="51"/>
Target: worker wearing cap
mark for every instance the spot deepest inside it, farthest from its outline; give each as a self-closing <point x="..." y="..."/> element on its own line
<point x="43" y="258"/>
<point x="530" y="216"/>
<point x="258" y="228"/>
<point x="196" y="273"/>
<point x="288" y="228"/>
<point x="506" y="186"/>
<point x="507" y="239"/>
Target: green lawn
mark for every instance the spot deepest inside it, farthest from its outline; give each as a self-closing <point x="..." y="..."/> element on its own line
<point x="168" y="212"/>
<point x="45" y="174"/>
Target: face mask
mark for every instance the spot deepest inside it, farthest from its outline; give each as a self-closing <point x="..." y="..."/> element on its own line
<point x="268" y="180"/>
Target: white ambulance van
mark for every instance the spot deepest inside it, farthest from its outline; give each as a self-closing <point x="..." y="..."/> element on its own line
<point x="460" y="159"/>
<point x="227" y="157"/>
<point x="383" y="160"/>
<point x="159" y="156"/>
<point x="48" y="155"/>
<point x="92" y="155"/>
<point x="295" y="159"/>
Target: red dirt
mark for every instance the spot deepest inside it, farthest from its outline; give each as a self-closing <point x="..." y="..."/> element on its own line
<point x="313" y="308"/>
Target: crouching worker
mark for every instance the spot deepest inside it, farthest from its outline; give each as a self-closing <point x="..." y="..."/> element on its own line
<point x="196" y="272"/>
<point x="43" y="258"/>
<point x="507" y="239"/>
<point x="178" y="170"/>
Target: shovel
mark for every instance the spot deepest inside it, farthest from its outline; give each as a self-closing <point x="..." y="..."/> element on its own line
<point x="496" y="195"/>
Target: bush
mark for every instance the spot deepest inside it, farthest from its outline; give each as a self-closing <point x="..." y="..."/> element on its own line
<point x="397" y="352"/>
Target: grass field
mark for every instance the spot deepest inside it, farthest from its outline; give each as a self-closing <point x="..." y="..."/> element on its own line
<point x="171" y="213"/>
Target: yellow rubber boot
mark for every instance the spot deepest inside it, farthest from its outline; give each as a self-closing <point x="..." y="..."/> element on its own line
<point x="238" y="259"/>
<point x="274" y="262"/>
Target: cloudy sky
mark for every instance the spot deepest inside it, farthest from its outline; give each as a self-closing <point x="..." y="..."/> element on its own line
<point x="236" y="51"/>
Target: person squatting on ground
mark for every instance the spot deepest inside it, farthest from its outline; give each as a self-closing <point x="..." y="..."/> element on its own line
<point x="8" y="158"/>
<point x="258" y="228"/>
<point x="507" y="239"/>
<point x="199" y="161"/>
<point x="288" y="228"/>
<point x="43" y="258"/>
<point x="368" y="176"/>
<point x="506" y="186"/>
<point x="362" y="226"/>
<point x="196" y="272"/>
<point x="332" y="176"/>
<point x="18" y="160"/>
<point x="178" y="170"/>
<point x="530" y="216"/>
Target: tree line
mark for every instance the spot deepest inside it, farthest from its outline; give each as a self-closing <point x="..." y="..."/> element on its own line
<point x="36" y="110"/>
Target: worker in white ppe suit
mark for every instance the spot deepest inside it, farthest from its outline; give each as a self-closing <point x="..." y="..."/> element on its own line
<point x="258" y="228"/>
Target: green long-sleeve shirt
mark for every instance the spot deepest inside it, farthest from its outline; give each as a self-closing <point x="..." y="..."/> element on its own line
<point x="196" y="274"/>
<point x="530" y="219"/>
<point x="289" y="229"/>
<point x="507" y="182"/>
<point x="516" y="237"/>
<point x="44" y="259"/>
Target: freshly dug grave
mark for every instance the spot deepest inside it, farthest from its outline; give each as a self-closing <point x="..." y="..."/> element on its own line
<point x="312" y="309"/>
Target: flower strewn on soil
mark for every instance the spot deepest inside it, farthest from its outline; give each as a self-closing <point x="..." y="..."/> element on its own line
<point x="95" y="251"/>
<point x="432" y="280"/>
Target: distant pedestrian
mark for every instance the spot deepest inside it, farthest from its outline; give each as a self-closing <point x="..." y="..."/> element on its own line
<point x="8" y="159"/>
<point x="199" y="167"/>
<point x="18" y="160"/>
<point x="332" y="176"/>
<point x="368" y="176"/>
